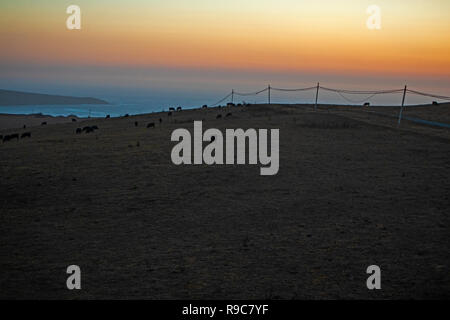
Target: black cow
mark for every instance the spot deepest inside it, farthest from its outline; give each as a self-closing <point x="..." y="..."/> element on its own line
<point x="151" y="125"/>
<point x="25" y="135"/>
<point x="74" y="120"/>
<point x="228" y="114"/>
<point x="205" y="106"/>
<point x="108" y="116"/>
<point x="126" y="116"/>
<point x="44" y="123"/>
<point x="160" y="120"/>
<point x="230" y="104"/>
<point x="78" y="131"/>
<point x="90" y="129"/>
<point x="136" y="123"/>
<point x="171" y="109"/>
<point x="219" y="116"/>
<point x="10" y="137"/>
<point x="179" y="109"/>
<point x="435" y="103"/>
<point x="367" y="104"/>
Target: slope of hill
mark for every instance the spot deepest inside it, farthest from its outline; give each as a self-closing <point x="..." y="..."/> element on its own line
<point x="19" y="98"/>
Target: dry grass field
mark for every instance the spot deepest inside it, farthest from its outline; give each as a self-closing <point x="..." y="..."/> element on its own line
<point x="353" y="190"/>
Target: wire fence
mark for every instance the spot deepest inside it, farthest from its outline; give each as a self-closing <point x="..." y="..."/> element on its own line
<point x="343" y="93"/>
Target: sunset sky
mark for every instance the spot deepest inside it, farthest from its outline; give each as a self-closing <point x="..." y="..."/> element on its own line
<point x="182" y="43"/>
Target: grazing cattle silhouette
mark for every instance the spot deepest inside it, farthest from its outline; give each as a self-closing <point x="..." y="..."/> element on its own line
<point x="205" y="106"/>
<point x="367" y="104"/>
<point x="10" y="137"/>
<point x="171" y="109"/>
<point x="219" y="116"/>
<point x="78" y="131"/>
<point x="151" y="125"/>
<point x="44" y="123"/>
<point x="74" y="120"/>
<point x="89" y="129"/>
<point x="25" y="135"/>
<point x="108" y="116"/>
<point x="179" y="109"/>
<point x="169" y="114"/>
<point x="435" y="103"/>
<point x="228" y="114"/>
<point x="136" y="123"/>
<point x="14" y="136"/>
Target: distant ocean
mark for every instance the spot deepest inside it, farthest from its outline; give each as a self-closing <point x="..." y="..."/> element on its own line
<point x="81" y="111"/>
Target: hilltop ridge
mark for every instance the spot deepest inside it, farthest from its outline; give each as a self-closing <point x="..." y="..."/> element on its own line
<point x="20" y="98"/>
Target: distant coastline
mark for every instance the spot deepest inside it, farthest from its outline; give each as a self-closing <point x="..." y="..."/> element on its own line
<point x="19" y="98"/>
